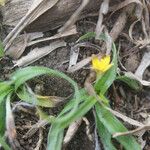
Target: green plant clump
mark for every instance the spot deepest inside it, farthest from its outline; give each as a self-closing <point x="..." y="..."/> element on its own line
<point x="106" y="123"/>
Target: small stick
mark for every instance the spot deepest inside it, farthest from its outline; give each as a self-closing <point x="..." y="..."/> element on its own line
<point x="39" y="143"/>
<point x="145" y="127"/>
<point x="125" y="118"/>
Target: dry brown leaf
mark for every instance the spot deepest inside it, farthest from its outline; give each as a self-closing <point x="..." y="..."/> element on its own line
<point x="135" y="131"/>
<point x="70" y="31"/>
<point x="131" y="30"/>
<point x="124" y="4"/>
<point x="87" y="128"/>
<point x="36" y="10"/>
<point x="139" y="130"/>
<point x="20" y="43"/>
<point x="18" y="46"/>
<point x="51" y="19"/>
<point x="55" y="100"/>
<point x="41" y="137"/>
<point x="80" y="64"/>
<point x="74" y="53"/>
<point x="125" y="118"/>
<point x="145" y="62"/>
<point x="10" y="127"/>
<point x="38" y="53"/>
<point x="71" y="131"/>
<point x="103" y="10"/>
<point x="35" y="127"/>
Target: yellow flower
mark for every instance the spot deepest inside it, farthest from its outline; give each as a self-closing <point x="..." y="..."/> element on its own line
<point x="101" y="65"/>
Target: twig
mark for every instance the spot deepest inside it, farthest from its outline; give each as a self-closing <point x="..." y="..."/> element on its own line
<point x="40" y="139"/>
<point x="125" y="118"/>
<point x="88" y="128"/>
<point x="145" y="127"/>
<point x="97" y="144"/>
<point x="35" y="127"/>
<point x="69" y="32"/>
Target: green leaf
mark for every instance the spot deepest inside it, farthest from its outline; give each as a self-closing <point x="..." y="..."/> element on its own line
<point x="104" y="135"/>
<point x="103" y="37"/>
<point x="87" y="36"/>
<point x="1" y="50"/>
<point x="5" y="89"/>
<point x="55" y="137"/>
<point x="4" y="144"/>
<point x="58" y="127"/>
<point x="22" y="75"/>
<point x="2" y="117"/>
<point x="113" y="125"/>
<point x="25" y="95"/>
<point x="132" y="83"/>
<point x="83" y="108"/>
<point x="104" y="82"/>
<point x="69" y="105"/>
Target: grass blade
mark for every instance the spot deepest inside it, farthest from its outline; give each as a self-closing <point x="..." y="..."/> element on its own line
<point x="5" y="89"/>
<point x="104" y="135"/>
<point x="113" y="125"/>
<point x="25" y="95"/>
<point x="4" y="144"/>
<point x="132" y="83"/>
<point x="25" y="74"/>
<point x="2" y="117"/>
<point x="83" y="108"/>
<point x="1" y="50"/>
<point x="55" y="138"/>
<point x="104" y="82"/>
<point x="87" y="36"/>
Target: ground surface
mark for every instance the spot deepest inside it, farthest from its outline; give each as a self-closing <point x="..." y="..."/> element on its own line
<point x="123" y="99"/>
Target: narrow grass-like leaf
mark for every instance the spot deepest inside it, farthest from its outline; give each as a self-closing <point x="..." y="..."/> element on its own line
<point x="87" y="36"/>
<point x="10" y="122"/>
<point x="70" y="104"/>
<point x="83" y="108"/>
<point x="5" y="89"/>
<point x="104" y="82"/>
<point x="4" y="144"/>
<point x="113" y="125"/>
<point x="1" y="50"/>
<point x="104" y="135"/>
<point x="22" y="75"/>
<point x="25" y="95"/>
<point x="55" y="138"/>
<point x="132" y="83"/>
<point x="2" y="117"/>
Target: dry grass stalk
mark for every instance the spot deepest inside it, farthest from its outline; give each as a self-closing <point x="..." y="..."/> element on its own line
<point x="38" y="53"/>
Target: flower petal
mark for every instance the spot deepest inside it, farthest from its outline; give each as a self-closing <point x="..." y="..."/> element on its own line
<point x="95" y="62"/>
<point x="105" y="61"/>
<point x="101" y="65"/>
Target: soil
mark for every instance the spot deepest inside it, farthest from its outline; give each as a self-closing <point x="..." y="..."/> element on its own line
<point x="123" y="99"/>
